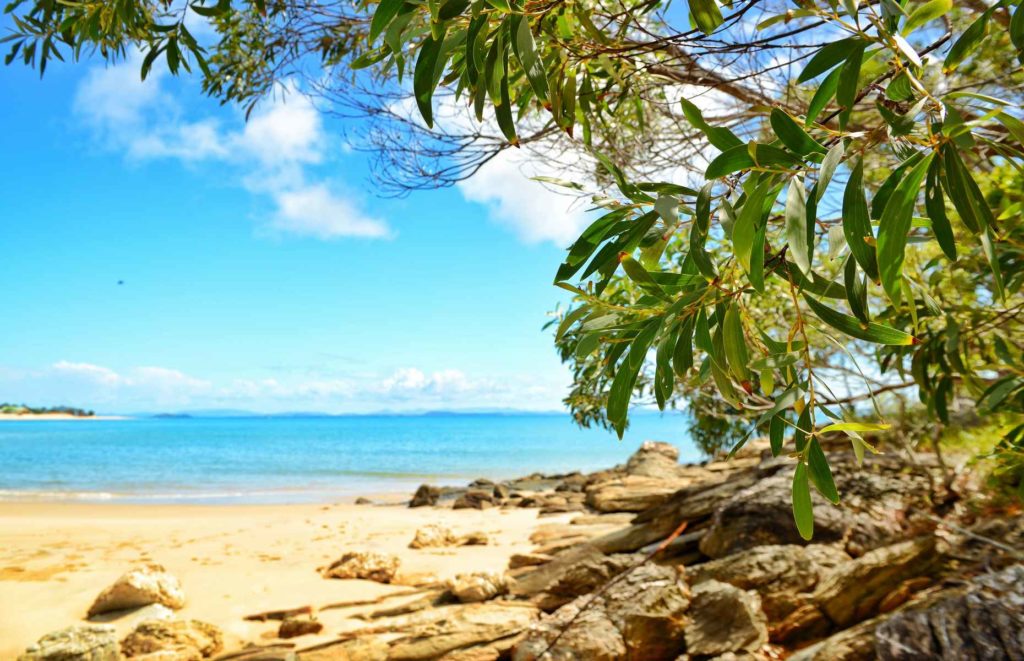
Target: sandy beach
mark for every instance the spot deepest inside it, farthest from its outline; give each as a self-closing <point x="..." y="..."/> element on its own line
<point x="232" y="560"/>
<point x="27" y="417"/>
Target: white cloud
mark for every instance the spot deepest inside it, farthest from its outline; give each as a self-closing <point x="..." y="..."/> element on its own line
<point x="268" y="154"/>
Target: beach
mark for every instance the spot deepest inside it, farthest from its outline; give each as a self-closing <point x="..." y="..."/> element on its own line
<point x="232" y="561"/>
<point x="51" y="417"/>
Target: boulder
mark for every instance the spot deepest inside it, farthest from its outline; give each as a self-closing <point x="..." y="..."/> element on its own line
<point x="365" y="565"/>
<point x="183" y="638"/>
<point x="582" y="578"/>
<point x="83" y="642"/>
<point x="433" y="536"/>
<point x="852" y="591"/>
<point x="474" y="499"/>
<point x="426" y="494"/>
<point x="631" y="493"/>
<point x="477" y="586"/>
<point x="143" y="585"/>
<point x="501" y="491"/>
<point x="640" y="617"/>
<point x="724" y="618"/>
<point x="781" y="575"/>
<point x="293" y="627"/>
<point x="987" y="622"/>
<point x="654" y="459"/>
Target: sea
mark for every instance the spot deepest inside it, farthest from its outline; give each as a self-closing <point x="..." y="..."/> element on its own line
<point x="276" y="460"/>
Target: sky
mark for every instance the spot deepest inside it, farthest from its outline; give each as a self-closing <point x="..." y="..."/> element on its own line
<point x="260" y="270"/>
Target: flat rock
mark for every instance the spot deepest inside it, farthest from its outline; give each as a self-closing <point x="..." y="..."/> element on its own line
<point x="142" y="586"/>
<point x="633" y="493"/>
<point x="477" y="586"/>
<point x="185" y="638"/>
<point x="447" y="630"/>
<point x="83" y="642"/>
<point x="365" y="565"/>
<point x="724" y="618"/>
<point x="475" y="499"/>
<point x="583" y="578"/>
<point x="293" y="627"/>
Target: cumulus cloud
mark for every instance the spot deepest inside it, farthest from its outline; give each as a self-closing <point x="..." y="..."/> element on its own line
<point x="269" y="154"/>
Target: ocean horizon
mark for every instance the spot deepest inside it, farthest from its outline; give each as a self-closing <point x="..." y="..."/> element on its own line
<point x="294" y="458"/>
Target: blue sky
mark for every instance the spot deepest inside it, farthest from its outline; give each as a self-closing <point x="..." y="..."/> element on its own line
<point x="260" y="270"/>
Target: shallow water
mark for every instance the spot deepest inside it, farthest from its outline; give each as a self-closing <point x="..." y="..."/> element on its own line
<point x="280" y="460"/>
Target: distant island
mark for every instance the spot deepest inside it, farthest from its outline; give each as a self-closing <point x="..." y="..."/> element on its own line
<point x="10" y="411"/>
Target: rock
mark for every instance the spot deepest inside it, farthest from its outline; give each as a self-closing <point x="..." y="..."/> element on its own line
<point x="519" y="560"/>
<point x="985" y="623"/>
<point x="481" y="482"/>
<point x="501" y="491"/>
<point x="476" y="538"/>
<point x="365" y="565"/>
<point x="584" y="577"/>
<point x="640" y="617"/>
<point x="363" y="501"/>
<point x="477" y="586"/>
<point x="364" y="648"/>
<point x="654" y="459"/>
<point x="533" y="583"/>
<point x="874" y="511"/>
<point x="276" y="652"/>
<point x="474" y="499"/>
<point x="724" y="619"/>
<point x="294" y="627"/>
<point x="143" y="585"/>
<point x="780" y="574"/>
<point x="433" y="536"/>
<point x="186" y="638"/>
<point x="82" y="642"/>
<point x="447" y="630"/>
<point x="632" y="493"/>
<point x="852" y="591"/>
<point x="854" y="644"/>
<point x="426" y="494"/>
<point x="618" y="518"/>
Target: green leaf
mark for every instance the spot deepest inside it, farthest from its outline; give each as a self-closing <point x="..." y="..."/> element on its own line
<point x="749" y="220"/>
<point x="989" y="249"/>
<point x="792" y="135"/>
<point x="720" y="137"/>
<point x="699" y="232"/>
<point x="530" y="60"/>
<point x="929" y="11"/>
<point x="856" y="224"/>
<point x="570" y="319"/>
<point x="936" y="208"/>
<point x="740" y="158"/>
<point x="797" y="225"/>
<point x="856" y="290"/>
<point x="851" y="326"/>
<point x="826" y="90"/>
<point x="735" y="344"/>
<point x="424" y="80"/>
<point x="963" y="192"/>
<point x="827" y="57"/>
<point x="706" y="15"/>
<point x="820" y="473"/>
<point x="776" y="434"/>
<point x="638" y="274"/>
<point x="803" y="511"/>
<point x="854" y="426"/>
<point x="682" y="354"/>
<point x="828" y="168"/>
<point x="625" y="378"/>
<point x="451" y="8"/>
<point x="968" y="41"/>
<point x="846" y="89"/>
<point x="894" y="225"/>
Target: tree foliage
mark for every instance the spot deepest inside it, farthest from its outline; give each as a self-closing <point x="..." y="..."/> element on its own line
<point x="799" y="206"/>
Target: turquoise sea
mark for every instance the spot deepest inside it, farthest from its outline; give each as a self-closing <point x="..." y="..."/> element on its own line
<point x="282" y="459"/>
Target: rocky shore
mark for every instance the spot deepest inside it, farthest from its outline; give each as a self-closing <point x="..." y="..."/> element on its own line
<point x="647" y="561"/>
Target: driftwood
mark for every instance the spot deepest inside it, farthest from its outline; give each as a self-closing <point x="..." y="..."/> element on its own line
<point x="308" y="610"/>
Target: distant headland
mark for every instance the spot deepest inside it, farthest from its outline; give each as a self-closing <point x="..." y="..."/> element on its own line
<point x="24" y="412"/>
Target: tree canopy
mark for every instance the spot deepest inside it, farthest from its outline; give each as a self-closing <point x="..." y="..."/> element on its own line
<point x="798" y="206"/>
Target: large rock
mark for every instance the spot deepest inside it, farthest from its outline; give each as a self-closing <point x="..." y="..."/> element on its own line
<point x="632" y="493"/>
<point x="584" y="577"/>
<point x="477" y="586"/>
<point x="426" y="494"/>
<point x="449" y="630"/>
<point x="852" y="591"/>
<point x="876" y="508"/>
<point x="640" y="617"/>
<point x="781" y="575"/>
<point x="724" y="618"/>
<point x="433" y="536"/>
<point x="475" y="499"/>
<point x="654" y="459"/>
<point x="83" y="642"/>
<point x="183" y="638"/>
<point x="365" y="565"/>
<point x="985" y="623"/>
<point x="143" y="585"/>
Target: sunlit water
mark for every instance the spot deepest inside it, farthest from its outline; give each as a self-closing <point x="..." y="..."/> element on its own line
<point x="278" y="460"/>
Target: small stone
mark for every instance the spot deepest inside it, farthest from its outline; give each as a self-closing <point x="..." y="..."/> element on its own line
<point x="298" y="626"/>
<point x="426" y="494"/>
<point x="364" y="565"/>
<point x="144" y="585"/>
<point x="433" y="536"/>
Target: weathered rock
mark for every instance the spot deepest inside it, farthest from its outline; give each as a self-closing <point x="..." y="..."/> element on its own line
<point x="83" y="642"/>
<point x="433" y="536"/>
<point x="852" y="591"/>
<point x="293" y="627"/>
<point x="477" y="586"/>
<point x="724" y="618"/>
<point x="364" y="648"/>
<point x="640" y="618"/>
<point x="520" y="560"/>
<point x="654" y="459"/>
<point x="475" y="538"/>
<point x="501" y="491"/>
<point x="474" y="499"/>
<point x="186" y="638"/>
<point x="632" y="493"/>
<point x="365" y="565"/>
<point x="780" y="574"/>
<point x="985" y="623"/>
<point x="276" y="652"/>
<point x="582" y="578"/>
<point x="426" y="494"/>
<point x="363" y="501"/>
<point x="448" y="629"/>
<point x="143" y="585"/>
<point x="536" y="581"/>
